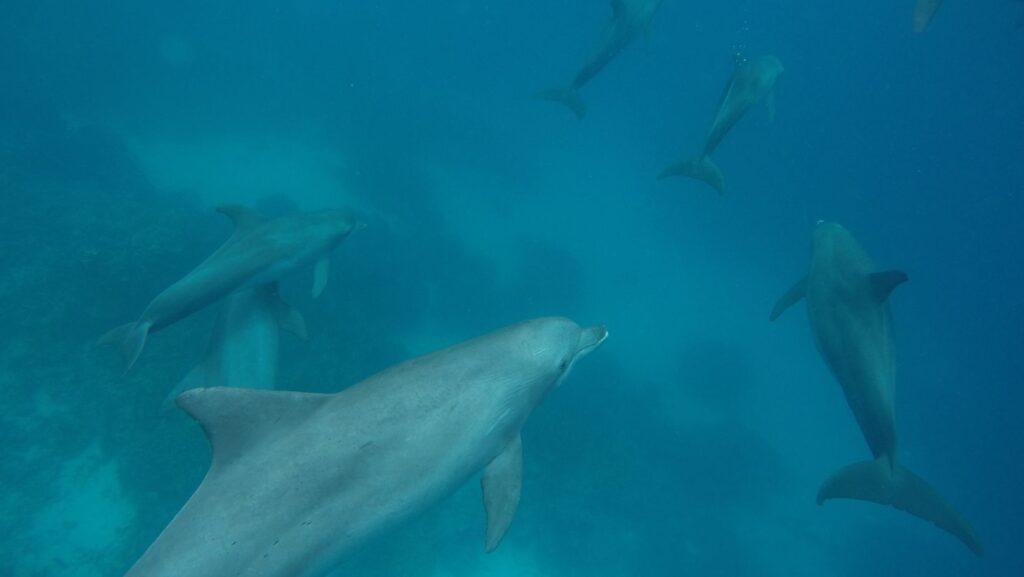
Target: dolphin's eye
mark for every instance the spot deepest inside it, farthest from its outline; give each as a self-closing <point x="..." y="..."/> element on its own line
<point x="564" y="365"/>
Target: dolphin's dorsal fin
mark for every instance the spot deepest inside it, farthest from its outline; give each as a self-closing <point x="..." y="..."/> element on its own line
<point x="502" y="482"/>
<point x="793" y="296"/>
<point x="883" y="283"/>
<point x="243" y="217"/>
<point x="236" y="419"/>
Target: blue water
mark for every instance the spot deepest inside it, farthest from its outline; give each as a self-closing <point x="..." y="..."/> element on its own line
<point x="694" y="441"/>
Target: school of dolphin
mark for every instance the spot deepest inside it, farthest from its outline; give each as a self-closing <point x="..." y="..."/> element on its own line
<point x="299" y="480"/>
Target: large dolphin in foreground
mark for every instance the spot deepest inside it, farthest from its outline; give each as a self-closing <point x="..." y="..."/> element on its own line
<point x="260" y="251"/>
<point x="629" y="19"/>
<point x="243" y="348"/>
<point x="924" y="12"/>
<point x="751" y="82"/>
<point x="299" y="480"/>
<point x="846" y="305"/>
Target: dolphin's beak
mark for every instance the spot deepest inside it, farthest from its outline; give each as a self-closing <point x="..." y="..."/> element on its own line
<point x="590" y="339"/>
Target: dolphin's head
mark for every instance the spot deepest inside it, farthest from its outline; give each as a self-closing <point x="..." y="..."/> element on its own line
<point x="827" y="235"/>
<point x="327" y="228"/>
<point x="835" y="246"/>
<point x="770" y="68"/>
<point x="552" y="345"/>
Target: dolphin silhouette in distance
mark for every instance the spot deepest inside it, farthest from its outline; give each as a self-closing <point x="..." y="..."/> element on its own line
<point x="629" y="19"/>
<point x="924" y="13"/>
<point x="849" y="315"/>
<point x="751" y="82"/>
<point x="243" y="347"/>
<point x="260" y="251"/>
<point x="299" y="480"/>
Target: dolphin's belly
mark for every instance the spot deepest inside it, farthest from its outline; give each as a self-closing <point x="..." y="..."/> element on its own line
<point x="191" y="294"/>
<point x="281" y="268"/>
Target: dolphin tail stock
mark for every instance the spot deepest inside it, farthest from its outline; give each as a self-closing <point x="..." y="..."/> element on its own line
<point x="130" y="339"/>
<point x="885" y="482"/>
<point x="569" y="97"/>
<point x="701" y="169"/>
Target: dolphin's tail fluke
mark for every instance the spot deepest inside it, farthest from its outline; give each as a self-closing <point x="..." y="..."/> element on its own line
<point x="129" y="339"/>
<point x="567" y="96"/>
<point x="887" y="483"/>
<point x="701" y="169"/>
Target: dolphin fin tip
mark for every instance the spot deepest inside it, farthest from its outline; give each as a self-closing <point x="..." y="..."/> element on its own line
<point x="886" y="483"/>
<point x="568" y="97"/>
<point x="702" y="169"/>
<point x="130" y="339"/>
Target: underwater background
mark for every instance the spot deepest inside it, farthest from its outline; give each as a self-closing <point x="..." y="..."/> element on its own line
<point x="695" y="440"/>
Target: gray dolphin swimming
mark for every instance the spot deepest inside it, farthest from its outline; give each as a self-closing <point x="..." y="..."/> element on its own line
<point x="924" y="12"/>
<point x="849" y="316"/>
<point x="629" y="19"/>
<point x="243" y="347"/>
<point x="260" y="251"/>
<point x="752" y="81"/>
<point x="299" y="480"/>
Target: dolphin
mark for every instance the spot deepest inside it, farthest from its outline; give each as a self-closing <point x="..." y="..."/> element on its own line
<point x="299" y="480"/>
<point x="924" y="12"/>
<point x="243" y="348"/>
<point x="752" y="81"/>
<point x="629" y="19"/>
<point x="260" y="251"/>
<point x="849" y="316"/>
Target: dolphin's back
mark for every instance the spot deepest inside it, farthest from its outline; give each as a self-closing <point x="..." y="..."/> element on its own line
<point x="852" y="332"/>
<point x="749" y="84"/>
<point x="298" y="480"/>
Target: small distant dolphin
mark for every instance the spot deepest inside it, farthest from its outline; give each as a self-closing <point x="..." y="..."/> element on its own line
<point x="751" y="82"/>
<point x="846" y="305"/>
<point x="924" y="12"/>
<point x="629" y="19"/>
<point x="260" y="251"/>
<point x="243" y="348"/>
<point x="300" y="480"/>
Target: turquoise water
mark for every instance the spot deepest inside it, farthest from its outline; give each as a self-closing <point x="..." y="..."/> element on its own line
<point x="693" y="442"/>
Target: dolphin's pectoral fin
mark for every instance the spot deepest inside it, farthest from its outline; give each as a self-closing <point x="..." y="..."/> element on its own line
<point x="244" y="218"/>
<point x="883" y="283"/>
<point x="502" y="482"/>
<point x="885" y="483"/>
<point x="287" y="317"/>
<point x="320" y="274"/>
<point x="235" y="419"/>
<point x="789" y="299"/>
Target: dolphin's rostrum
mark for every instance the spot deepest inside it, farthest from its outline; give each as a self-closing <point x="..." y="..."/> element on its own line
<point x="259" y="252"/>
<point x="299" y="480"/>
<point x="849" y="315"/>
